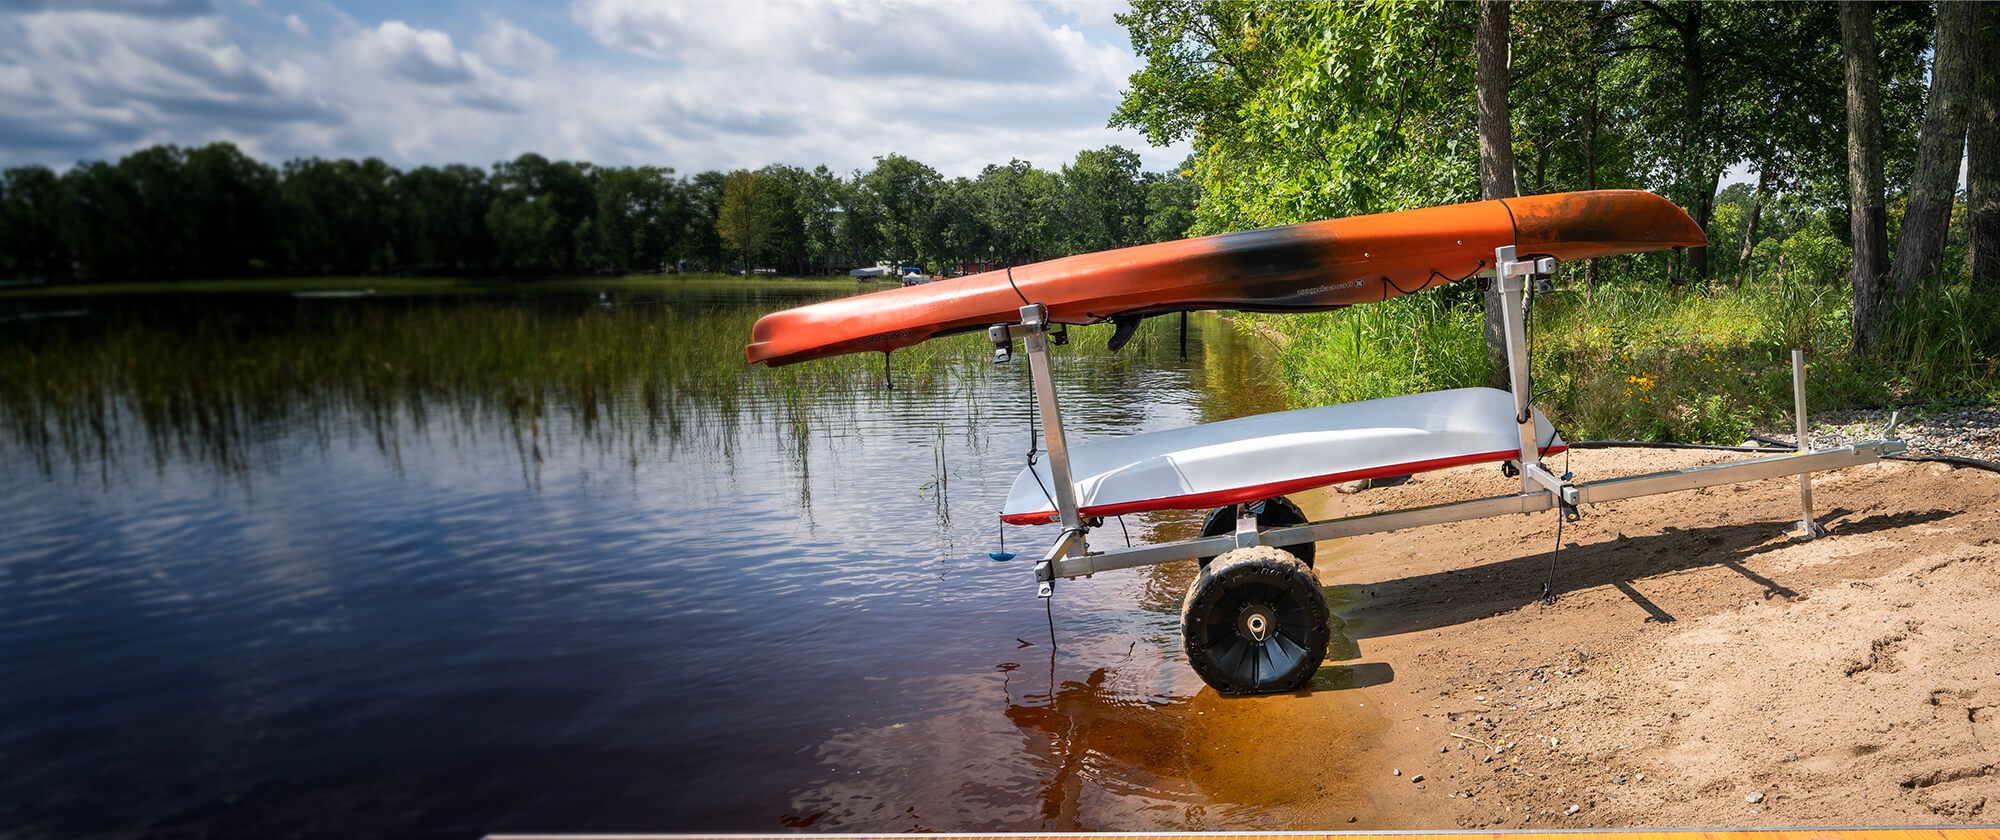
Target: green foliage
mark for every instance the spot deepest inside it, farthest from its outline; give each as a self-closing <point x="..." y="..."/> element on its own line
<point x="165" y="213"/>
<point x="901" y="193"/>
<point x="1309" y="110"/>
<point x="1944" y="343"/>
<point x="637" y="209"/>
<point x="1021" y="205"/>
<point x="1650" y="361"/>
<point x="1170" y="203"/>
<point x="745" y="218"/>
<point x="1420" y="342"/>
<point x="31" y="241"/>
<point x="1104" y="201"/>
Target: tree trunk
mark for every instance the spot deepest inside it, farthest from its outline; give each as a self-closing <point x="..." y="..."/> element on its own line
<point x="1590" y="136"/>
<point x="1703" y="212"/>
<point x="1694" y="78"/>
<point x="1868" y="215"/>
<point x="1496" y="156"/>
<point x="1920" y="246"/>
<point x="1542" y="164"/>
<point x="1749" y="241"/>
<point x="1982" y="161"/>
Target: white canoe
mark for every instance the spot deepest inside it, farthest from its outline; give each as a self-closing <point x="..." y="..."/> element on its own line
<point x="1266" y="455"/>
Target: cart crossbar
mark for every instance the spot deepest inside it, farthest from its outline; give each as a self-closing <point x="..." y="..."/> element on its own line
<point x="1607" y="490"/>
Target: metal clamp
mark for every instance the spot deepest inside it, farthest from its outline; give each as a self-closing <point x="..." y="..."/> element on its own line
<point x="1002" y="336"/>
<point x="1246" y="524"/>
<point x="1505" y="265"/>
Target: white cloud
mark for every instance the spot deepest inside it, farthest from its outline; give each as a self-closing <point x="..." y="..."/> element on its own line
<point x="419" y="55"/>
<point x="957" y="85"/>
<point x="691" y="85"/>
<point x="424" y="65"/>
<point x="511" y="46"/>
<point x="97" y="82"/>
<point x="1094" y="13"/>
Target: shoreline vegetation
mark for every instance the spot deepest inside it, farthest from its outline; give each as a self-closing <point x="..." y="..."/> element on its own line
<point x="1626" y="361"/>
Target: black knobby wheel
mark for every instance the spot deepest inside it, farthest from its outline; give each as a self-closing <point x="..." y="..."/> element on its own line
<point x="1278" y="512"/>
<point x="1255" y="622"/>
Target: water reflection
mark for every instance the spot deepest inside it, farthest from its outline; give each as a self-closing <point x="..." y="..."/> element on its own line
<point x="526" y="563"/>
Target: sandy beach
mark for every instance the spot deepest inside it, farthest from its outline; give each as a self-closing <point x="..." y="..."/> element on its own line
<point x="1697" y="668"/>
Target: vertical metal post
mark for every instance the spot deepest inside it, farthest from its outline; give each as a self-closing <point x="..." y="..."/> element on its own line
<point x="1808" y="529"/>
<point x="1034" y="318"/>
<point x="1514" y="323"/>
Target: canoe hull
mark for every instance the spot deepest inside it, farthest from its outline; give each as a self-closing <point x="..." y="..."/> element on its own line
<point x="1307" y="267"/>
<point x="1258" y="457"/>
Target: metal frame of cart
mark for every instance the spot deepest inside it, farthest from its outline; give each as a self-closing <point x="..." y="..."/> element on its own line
<point x="1248" y="550"/>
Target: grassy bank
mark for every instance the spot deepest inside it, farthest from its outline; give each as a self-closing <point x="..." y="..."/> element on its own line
<point x="206" y="382"/>
<point x="1652" y="362"/>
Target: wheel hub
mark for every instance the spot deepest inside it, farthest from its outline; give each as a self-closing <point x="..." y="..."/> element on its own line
<point x="1257" y="622"/>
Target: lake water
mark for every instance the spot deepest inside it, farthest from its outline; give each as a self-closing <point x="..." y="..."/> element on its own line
<point x="515" y="561"/>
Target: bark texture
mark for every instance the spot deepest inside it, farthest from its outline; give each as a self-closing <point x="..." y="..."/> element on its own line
<point x="1920" y="245"/>
<point x="1868" y="219"/>
<point x="1698" y="188"/>
<point x="1982" y="165"/>
<point x="1496" y="154"/>
<point x="1748" y="244"/>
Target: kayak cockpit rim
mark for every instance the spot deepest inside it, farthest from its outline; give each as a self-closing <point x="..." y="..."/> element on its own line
<point x="1070" y="556"/>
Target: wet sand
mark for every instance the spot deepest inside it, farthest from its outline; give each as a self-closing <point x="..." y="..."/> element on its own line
<point x="1697" y="669"/>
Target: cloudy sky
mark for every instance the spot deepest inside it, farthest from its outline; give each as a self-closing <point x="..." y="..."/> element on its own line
<point x="692" y="84"/>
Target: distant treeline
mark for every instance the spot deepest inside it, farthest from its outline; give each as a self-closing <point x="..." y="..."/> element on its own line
<point x="167" y="213"/>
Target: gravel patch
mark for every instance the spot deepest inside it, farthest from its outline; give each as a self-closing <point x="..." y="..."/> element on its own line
<point x="1972" y="432"/>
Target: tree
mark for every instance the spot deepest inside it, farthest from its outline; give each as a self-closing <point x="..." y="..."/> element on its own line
<point x="1103" y="203"/>
<point x="232" y="203"/>
<point x="1920" y="245"/>
<point x="1496" y="158"/>
<point x="700" y="243"/>
<point x="543" y="214"/>
<point x="900" y="192"/>
<point x="1308" y="110"/>
<point x="31" y="242"/>
<point x="819" y="197"/>
<point x="1020" y="205"/>
<point x="1982" y="152"/>
<point x="1868" y="215"/>
<point x="741" y="222"/>
<point x="1170" y="201"/>
<point x="858" y="226"/>
<point x="783" y="212"/>
<point x="635" y="217"/>
<point x="957" y="232"/>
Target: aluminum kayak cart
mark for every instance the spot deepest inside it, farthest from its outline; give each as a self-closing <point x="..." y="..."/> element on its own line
<point x="1255" y="619"/>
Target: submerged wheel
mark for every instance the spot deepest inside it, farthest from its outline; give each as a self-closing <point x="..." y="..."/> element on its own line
<point x="1255" y="622"/>
<point x="1278" y="513"/>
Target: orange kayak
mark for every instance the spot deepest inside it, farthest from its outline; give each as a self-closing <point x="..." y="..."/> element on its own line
<point x="1307" y="267"/>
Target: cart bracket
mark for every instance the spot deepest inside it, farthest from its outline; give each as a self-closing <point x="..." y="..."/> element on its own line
<point x="1505" y="265"/>
<point x="1246" y="524"/>
<point x="1069" y="544"/>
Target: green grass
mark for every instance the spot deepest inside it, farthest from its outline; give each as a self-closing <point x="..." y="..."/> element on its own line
<point x="206" y="386"/>
<point x="1655" y="363"/>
